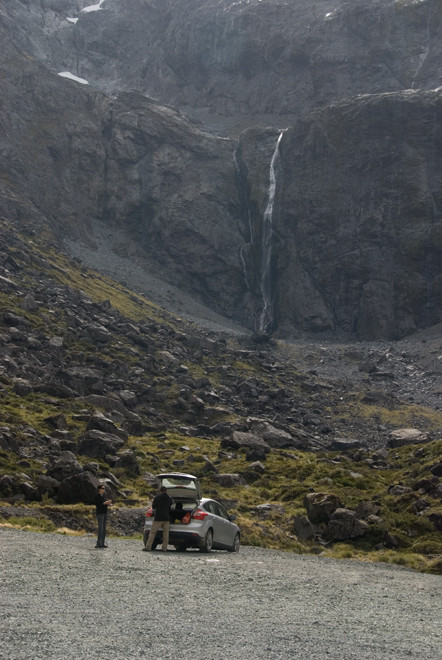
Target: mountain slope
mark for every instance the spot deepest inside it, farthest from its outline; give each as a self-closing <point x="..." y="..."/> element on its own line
<point x="99" y="383"/>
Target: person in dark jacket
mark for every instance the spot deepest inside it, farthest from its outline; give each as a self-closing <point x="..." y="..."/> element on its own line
<point x="101" y="505"/>
<point x="161" y="505"/>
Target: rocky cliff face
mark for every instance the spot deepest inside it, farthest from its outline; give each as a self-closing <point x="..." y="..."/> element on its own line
<point x="227" y="61"/>
<point x="332" y="225"/>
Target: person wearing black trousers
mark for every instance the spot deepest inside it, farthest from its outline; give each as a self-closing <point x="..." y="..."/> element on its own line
<point x="101" y="505"/>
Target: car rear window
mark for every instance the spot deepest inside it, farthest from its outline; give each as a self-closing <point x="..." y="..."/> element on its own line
<point x="179" y="482"/>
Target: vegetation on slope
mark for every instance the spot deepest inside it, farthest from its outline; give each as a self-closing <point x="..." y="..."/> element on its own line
<point x="175" y="436"/>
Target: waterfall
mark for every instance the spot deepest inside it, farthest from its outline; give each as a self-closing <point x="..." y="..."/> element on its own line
<point x="266" y="318"/>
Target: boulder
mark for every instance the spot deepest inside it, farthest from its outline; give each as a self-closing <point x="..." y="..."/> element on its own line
<point x="304" y="529"/>
<point x="57" y="421"/>
<point x="47" y="485"/>
<point x="321" y="506"/>
<point x="102" y="423"/>
<point x="128" y="398"/>
<point x="128" y="461"/>
<point x="97" y="444"/>
<point x="7" y="485"/>
<point x="436" y="519"/>
<point x="66" y="465"/>
<point x="401" y="437"/>
<point x="83" y="380"/>
<point x="242" y="440"/>
<point x="267" y="509"/>
<point x="30" y="492"/>
<point x="344" y="444"/>
<point x="229" y="480"/>
<point x="97" y="332"/>
<point x="366" y="509"/>
<point x="7" y="441"/>
<point x="344" y="525"/>
<point x="399" y="489"/>
<point x="274" y="437"/>
<point x="256" y="454"/>
<point x="109" y="403"/>
<point x="22" y="386"/>
<point x="80" y="487"/>
<point x="14" y="320"/>
<point x="257" y="466"/>
<point x="133" y="424"/>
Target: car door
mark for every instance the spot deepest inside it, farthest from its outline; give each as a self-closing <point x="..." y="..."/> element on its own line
<point x="224" y="527"/>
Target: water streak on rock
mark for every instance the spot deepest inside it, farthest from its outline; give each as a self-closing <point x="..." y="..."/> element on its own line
<point x="266" y="318"/>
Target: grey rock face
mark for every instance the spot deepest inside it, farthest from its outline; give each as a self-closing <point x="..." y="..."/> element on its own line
<point x="337" y="231"/>
<point x="225" y="62"/>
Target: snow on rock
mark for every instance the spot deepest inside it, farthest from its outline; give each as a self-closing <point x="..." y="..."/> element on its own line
<point x="93" y="7"/>
<point x="66" y="74"/>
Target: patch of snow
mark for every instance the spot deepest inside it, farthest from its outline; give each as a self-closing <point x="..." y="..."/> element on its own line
<point x="66" y="74"/>
<point x="71" y="20"/>
<point x="93" y="7"/>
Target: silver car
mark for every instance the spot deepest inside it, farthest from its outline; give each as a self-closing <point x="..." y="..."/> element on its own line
<point x="195" y="521"/>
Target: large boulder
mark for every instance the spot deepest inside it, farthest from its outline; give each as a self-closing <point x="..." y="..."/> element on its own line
<point x="243" y="440"/>
<point x="128" y="461"/>
<point x="66" y="465"/>
<point x="229" y="480"/>
<point x="344" y="525"/>
<point x="98" y="444"/>
<point x="274" y="437"/>
<point x="83" y="380"/>
<point x="47" y="485"/>
<point x="321" y="506"/>
<point x="304" y="529"/>
<point x="8" y="441"/>
<point x="102" y="423"/>
<point x="401" y="437"/>
<point x="78" y="488"/>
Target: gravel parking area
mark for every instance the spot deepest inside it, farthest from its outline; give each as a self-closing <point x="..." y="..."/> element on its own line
<point x="62" y="598"/>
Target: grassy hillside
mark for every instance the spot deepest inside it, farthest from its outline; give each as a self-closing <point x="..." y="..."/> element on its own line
<point x="147" y="350"/>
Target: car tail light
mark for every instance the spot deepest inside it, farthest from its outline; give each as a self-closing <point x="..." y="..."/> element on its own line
<point x="149" y="513"/>
<point x="198" y="514"/>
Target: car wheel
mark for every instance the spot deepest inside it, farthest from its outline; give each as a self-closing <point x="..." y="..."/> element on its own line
<point x="208" y="542"/>
<point x="181" y="548"/>
<point x="236" y="544"/>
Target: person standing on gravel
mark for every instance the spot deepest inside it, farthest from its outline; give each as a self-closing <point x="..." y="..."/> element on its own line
<point x="101" y="505"/>
<point x="161" y="505"/>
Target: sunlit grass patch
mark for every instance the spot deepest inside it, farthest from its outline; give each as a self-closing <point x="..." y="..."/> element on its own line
<point x="38" y="524"/>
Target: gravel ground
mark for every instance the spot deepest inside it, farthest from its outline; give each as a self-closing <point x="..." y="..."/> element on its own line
<point x="61" y="598"/>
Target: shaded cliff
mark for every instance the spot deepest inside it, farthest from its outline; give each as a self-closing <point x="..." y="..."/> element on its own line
<point x="327" y="220"/>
